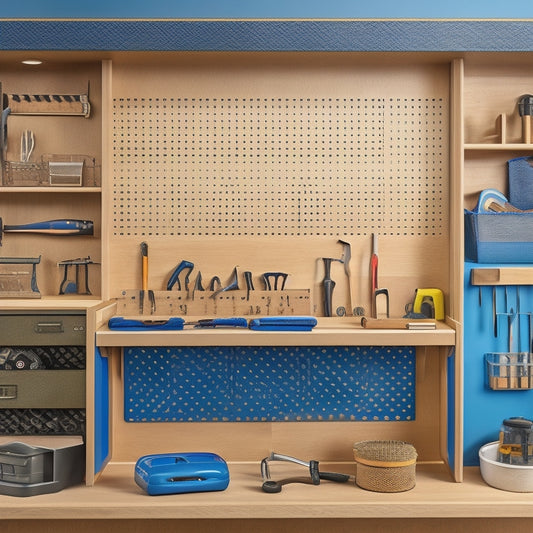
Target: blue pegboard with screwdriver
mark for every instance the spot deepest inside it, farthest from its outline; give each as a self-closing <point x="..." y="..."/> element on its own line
<point x="497" y="321"/>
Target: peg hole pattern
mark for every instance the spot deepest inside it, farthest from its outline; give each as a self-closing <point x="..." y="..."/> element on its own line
<point x="222" y="167"/>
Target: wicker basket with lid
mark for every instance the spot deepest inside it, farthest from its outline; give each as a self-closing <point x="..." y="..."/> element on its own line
<point x="385" y="465"/>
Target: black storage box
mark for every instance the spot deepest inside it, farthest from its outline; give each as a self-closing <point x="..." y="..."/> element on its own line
<point x="30" y="466"/>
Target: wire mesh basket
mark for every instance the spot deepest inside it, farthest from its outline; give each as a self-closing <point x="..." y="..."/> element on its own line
<point x="20" y="174"/>
<point x="510" y="371"/>
<point x="54" y="170"/>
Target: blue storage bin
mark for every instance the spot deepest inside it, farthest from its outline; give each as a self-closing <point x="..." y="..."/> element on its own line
<point x="520" y="175"/>
<point x="499" y="237"/>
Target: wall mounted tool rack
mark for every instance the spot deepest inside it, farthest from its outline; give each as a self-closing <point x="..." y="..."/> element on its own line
<point x="230" y="303"/>
<point x="502" y="276"/>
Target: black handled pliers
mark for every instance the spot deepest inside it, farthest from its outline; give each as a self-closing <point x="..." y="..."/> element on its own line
<point x="314" y="479"/>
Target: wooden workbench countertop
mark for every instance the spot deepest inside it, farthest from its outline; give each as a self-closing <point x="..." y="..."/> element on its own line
<point x="116" y="496"/>
<point x="328" y="332"/>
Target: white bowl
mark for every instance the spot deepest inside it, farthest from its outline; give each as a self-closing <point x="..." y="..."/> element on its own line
<point x="514" y="478"/>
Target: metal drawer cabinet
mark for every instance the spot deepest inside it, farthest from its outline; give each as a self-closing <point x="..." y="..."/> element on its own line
<point x="42" y="373"/>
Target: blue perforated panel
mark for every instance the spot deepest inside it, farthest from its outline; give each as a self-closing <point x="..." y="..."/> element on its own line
<point x="269" y="384"/>
<point x="257" y="35"/>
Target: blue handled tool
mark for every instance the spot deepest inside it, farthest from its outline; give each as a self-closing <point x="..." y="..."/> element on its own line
<point x="62" y="226"/>
<point x="233" y="322"/>
<point x="174" y="277"/>
<point x="174" y="323"/>
<point x="232" y="286"/>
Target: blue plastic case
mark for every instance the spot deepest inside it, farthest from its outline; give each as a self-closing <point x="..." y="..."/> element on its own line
<point x="179" y="473"/>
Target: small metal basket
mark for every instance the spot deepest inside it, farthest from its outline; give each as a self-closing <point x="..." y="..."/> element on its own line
<point x="385" y="465"/>
<point x="21" y="174"/>
<point x="54" y="170"/>
<point x="70" y="170"/>
<point x="509" y="370"/>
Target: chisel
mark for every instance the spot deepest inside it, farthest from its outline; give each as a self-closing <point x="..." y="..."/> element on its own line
<point x="328" y="285"/>
<point x="144" y="282"/>
<point x="249" y="284"/>
<point x="197" y="284"/>
<point x="60" y="227"/>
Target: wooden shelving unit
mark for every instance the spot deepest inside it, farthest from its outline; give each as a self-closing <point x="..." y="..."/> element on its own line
<point x="265" y="160"/>
<point x="267" y="238"/>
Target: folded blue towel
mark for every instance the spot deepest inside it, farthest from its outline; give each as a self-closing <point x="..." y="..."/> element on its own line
<point x="128" y="324"/>
<point x="283" y="323"/>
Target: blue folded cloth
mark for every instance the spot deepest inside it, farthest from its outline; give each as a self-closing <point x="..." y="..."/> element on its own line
<point x="283" y="323"/>
<point x="128" y="324"/>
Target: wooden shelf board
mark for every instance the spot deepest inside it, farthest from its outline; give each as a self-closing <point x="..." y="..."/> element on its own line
<point x="325" y="334"/>
<point x="498" y="146"/>
<point x="51" y="302"/>
<point x="116" y="496"/>
<point x="502" y="276"/>
<point x="52" y="189"/>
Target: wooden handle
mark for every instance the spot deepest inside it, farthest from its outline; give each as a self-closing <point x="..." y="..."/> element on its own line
<point x="395" y="323"/>
<point x="502" y="276"/>
<point x="145" y="273"/>
<point x="526" y="129"/>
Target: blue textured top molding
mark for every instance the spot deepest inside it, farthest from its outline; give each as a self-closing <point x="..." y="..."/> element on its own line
<point x="268" y="35"/>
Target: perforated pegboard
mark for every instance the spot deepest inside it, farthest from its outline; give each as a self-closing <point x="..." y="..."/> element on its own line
<point x="279" y="166"/>
<point x="250" y="384"/>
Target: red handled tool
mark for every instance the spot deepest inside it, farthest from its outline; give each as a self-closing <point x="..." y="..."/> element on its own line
<point x="374" y="263"/>
<point x="374" y="272"/>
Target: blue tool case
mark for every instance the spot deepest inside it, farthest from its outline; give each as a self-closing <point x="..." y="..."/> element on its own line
<point x="178" y="473"/>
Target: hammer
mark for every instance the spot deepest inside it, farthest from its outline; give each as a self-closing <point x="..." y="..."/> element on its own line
<point x="62" y="226"/>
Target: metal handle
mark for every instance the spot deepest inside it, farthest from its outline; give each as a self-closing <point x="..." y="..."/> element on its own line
<point x="49" y="327"/>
